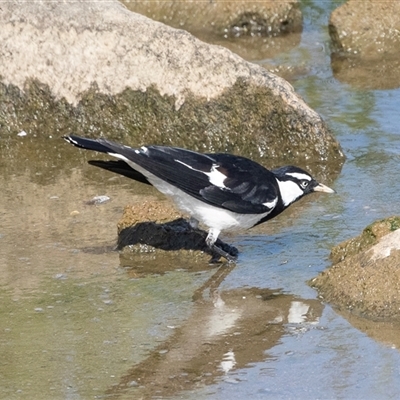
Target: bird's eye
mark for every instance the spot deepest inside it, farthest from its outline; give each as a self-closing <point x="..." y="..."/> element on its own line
<point x="304" y="184"/>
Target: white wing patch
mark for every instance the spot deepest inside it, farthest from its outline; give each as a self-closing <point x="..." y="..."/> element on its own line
<point x="215" y="177"/>
<point x="120" y="156"/>
<point x="270" y="204"/>
<point x="69" y="138"/>
<point x="142" y="150"/>
<point x="299" y="175"/>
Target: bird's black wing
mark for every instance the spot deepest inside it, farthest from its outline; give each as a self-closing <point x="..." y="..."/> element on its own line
<point x="251" y="188"/>
<point x="168" y="163"/>
<point x="222" y="180"/>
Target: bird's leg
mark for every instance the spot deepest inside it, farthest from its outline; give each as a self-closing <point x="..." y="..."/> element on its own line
<point x="194" y="224"/>
<point x="210" y="241"/>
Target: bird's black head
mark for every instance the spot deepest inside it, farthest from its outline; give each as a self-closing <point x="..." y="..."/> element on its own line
<point x="294" y="183"/>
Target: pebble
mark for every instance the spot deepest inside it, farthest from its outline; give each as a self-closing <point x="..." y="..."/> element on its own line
<point x="98" y="200"/>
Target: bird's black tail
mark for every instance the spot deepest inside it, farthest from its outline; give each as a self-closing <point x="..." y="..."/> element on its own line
<point x="99" y="145"/>
<point x="104" y="146"/>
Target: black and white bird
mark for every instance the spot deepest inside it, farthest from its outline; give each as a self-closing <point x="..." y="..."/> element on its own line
<point x="221" y="191"/>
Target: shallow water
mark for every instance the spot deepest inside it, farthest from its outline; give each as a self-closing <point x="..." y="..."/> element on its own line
<point x="75" y="323"/>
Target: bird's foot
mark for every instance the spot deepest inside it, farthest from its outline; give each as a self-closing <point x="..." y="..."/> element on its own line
<point x="230" y="253"/>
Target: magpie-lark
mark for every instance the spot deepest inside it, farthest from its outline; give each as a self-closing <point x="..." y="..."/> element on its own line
<point x="222" y="191"/>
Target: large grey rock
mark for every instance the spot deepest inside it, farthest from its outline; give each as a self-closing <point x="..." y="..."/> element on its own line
<point x="95" y="67"/>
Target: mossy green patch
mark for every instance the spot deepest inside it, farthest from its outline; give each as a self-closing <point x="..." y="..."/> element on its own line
<point x="245" y="119"/>
<point x="368" y="237"/>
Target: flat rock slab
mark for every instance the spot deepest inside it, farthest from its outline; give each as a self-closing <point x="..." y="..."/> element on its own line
<point x="96" y="68"/>
<point x="255" y="30"/>
<point x="227" y="18"/>
<point x="365" y="277"/>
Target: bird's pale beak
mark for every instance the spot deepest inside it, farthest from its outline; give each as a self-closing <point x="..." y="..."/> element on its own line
<point x="323" y="188"/>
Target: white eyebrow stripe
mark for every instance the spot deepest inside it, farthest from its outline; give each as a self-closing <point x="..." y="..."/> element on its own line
<point x="299" y="175"/>
<point x="215" y="177"/>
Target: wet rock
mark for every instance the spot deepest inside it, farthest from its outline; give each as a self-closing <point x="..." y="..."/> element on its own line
<point x="365" y="277"/>
<point x="100" y="69"/>
<point x="224" y="17"/>
<point x="148" y="211"/>
<point x="368" y="28"/>
<point x="156" y="226"/>
<point x="366" y="39"/>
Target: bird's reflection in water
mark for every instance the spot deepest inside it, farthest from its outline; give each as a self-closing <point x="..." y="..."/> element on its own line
<point x="227" y="330"/>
